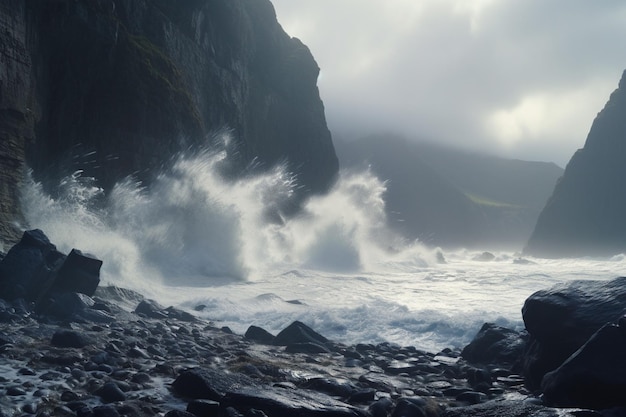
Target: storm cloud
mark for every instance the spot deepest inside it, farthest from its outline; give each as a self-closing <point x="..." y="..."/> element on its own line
<point x="518" y="78"/>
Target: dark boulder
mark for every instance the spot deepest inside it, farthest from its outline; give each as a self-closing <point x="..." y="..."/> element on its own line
<point x="497" y="345"/>
<point x="298" y="332"/>
<point x="80" y="272"/>
<point x="65" y="305"/>
<point x="208" y="383"/>
<point x="69" y="338"/>
<point x="561" y="319"/>
<point x="27" y="267"/>
<point x="35" y="271"/>
<point x="152" y="309"/>
<point x="594" y="376"/>
<point x="110" y="392"/>
<point x="307" y="347"/>
<point x="259" y="335"/>
<point x="203" y="407"/>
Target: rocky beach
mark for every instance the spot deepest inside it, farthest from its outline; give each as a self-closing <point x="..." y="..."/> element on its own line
<point x="112" y="352"/>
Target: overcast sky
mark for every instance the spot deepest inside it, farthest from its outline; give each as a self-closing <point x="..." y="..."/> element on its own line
<point x="518" y="78"/>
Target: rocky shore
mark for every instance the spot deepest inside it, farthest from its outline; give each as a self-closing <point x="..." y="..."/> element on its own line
<point x="113" y="353"/>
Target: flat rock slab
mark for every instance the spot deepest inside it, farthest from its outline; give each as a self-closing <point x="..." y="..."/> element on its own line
<point x="278" y="401"/>
<point x="508" y="408"/>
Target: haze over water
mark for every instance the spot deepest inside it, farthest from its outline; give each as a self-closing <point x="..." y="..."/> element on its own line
<point x="194" y="238"/>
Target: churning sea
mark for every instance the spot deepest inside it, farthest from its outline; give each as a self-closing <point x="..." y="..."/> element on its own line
<point x="200" y="242"/>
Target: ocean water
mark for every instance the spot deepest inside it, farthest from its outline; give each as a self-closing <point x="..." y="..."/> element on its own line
<point x="194" y="239"/>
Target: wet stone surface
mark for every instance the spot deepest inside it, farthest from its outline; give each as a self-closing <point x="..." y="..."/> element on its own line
<point x="156" y="361"/>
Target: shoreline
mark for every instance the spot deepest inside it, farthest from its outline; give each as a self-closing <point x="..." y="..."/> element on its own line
<point x="138" y="357"/>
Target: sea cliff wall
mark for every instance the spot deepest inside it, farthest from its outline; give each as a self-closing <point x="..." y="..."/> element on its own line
<point x="586" y="213"/>
<point x="117" y="87"/>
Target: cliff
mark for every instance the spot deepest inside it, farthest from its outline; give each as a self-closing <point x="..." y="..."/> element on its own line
<point x="116" y="87"/>
<point x="586" y="214"/>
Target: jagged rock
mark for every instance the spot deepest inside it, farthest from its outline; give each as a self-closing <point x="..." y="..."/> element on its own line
<point x="152" y="309"/>
<point x="298" y="332"/>
<point x="56" y="284"/>
<point x="584" y="215"/>
<point x="80" y="272"/>
<point x="259" y="335"/>
<point x="593" y="377"/>
<point x="561" y="319"/>
<point x="495" y="345"/>
<point x="27" y="267"/>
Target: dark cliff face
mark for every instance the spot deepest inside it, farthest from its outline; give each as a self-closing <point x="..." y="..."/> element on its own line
<point x="586" y="214"/>
<point x="117" y="87"/>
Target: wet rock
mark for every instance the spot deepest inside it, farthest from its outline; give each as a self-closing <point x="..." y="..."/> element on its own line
<point x="494" y="344"/>
<point x="298" y="332"/>
<point x="152" y="309"/>
<point x="105" y="411"/>
<point x="330" y="386"/>
<point x="80" y="272"/>
<point x="593" y="377"/>
<point x="69" y="338"/>
<point x="505" y="408"/>
<point x="65" y="304"/>
<point x="27" y="266"/>
<point x="412" y="407"/>
<point x="203" y="407"/>
<point x="208" y="383"/>
<point x="381" y="408"/>
<point x="110" y="392"/>
<point x="471" y="397"/>
<point x="180" y="413"/>
<point x="282" y="402"/>
<point x="561" y="319"/>
<point x="306" y="347"/>
<point x="259" y="335"/>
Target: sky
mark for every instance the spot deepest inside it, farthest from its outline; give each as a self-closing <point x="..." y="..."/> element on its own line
<point x="517" y="78"/>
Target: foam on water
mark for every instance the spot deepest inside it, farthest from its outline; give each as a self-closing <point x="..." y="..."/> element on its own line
<point x="195" y="238"/>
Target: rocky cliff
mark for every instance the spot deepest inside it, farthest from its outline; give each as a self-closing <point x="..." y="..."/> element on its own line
<point x="116" y="87"/>
<point x="586" y="214"/>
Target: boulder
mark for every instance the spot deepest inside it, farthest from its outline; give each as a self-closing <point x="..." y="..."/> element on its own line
<point x="152" y="309"/>
<point x="66" y="304"/>
<point x="208" y="383"/>
<point x="494" y="344"/>
<point x="593" y="377"/>
<point x="69" y="338"/>
<point x="298" y="332"/>
<point x="35" y="271"/>
<point x="27" y="266"/>
<point x="259" y="335"/>
<point x="561" y="319"/>
<point x="80" y="272"/>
